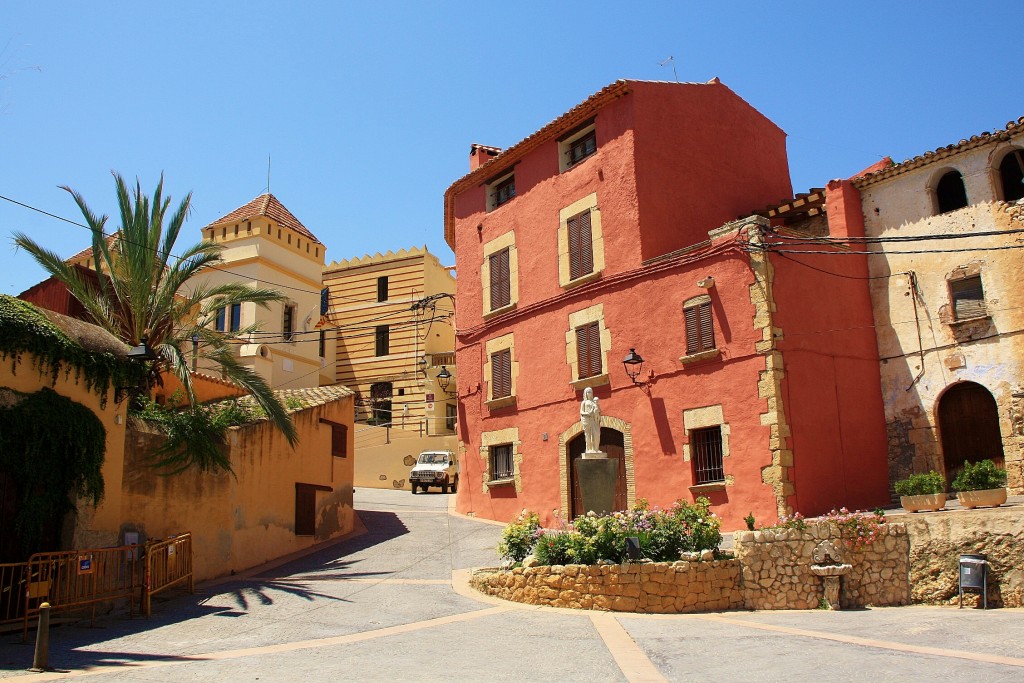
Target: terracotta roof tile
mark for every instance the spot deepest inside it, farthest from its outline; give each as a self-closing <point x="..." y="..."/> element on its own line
<point x="1012" y="128"/>
<point x="87" y="252"/>
<point x="267" y="205"/>
<point x="311" y="397"/>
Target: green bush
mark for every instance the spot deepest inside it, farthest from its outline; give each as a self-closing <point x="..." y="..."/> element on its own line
<point x="979" y="476"/>
<point x="921" y="484"/>
<point x="519" y="537"/>
<point x="553" y="547"/>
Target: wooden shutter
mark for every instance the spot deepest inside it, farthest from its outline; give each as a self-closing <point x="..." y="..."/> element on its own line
<point x="581" y="246"/>
<point x="501" y="282"/>
<point x="339" y="441"/>
<point x="700" y="329"/>
<point x="588" y="350"/>
<point x="305" y="510"/>
<point x="968" y="298"/>
<point x="501" y="374"/>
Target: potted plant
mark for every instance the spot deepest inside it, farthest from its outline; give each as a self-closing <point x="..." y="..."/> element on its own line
<point x="922" y="492"/>
<point x="980" y="484"/>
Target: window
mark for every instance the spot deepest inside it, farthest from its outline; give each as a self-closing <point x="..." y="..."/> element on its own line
<point x="229" y="318"/>
<point x="305" y="508"/>
<point x="383" y="340"/>
<point x="339" y="441"/>
<point x="380" y="402"/>
<point x="451" y="414"/>
<point x="581" y="246"/>
<point x="501" y="279"/>
<point x="323" y="344"/>
<point x="236" y="317"/>
<point x="706" y="449"/>
<point x="501" y="374"/>
<point x="221" y="314"/>
<point x="501" y="462"/>
<point x="588" y="350"/>
<point x="700" y="328"/>
<point x="504" y="190"/>
<point x="950" y="193"/>
<point x="288" y="323"/>
<point x="1011" y="174"/>
<point x="968" y="298"/>
<point x="582" y="148"/>
<point x="382" y="288"/>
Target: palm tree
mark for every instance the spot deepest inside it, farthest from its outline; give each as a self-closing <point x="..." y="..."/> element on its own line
<point x="145" y="291"/>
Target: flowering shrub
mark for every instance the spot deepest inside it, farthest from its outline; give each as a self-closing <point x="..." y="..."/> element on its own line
<point x="519" y="537"/>
<point x="662" y="535"/>
<point x="858" y="529"/>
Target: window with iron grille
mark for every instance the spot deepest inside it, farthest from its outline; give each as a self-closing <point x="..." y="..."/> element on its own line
<point x="588" y="350"/>
<point x="501" y="280"/>
<point x="382" y="334"/>
<point x="501" y="374"/>
<point x="504" y="190"/>
<point x="700" y="328"/>
<point x="581" y="246"/>
<point x="968" y="298"/>
<point x="582" y="148"/>
<point x="288" y="323"/>
<point x="706" y="455"/>
<point x="501" y="462"/>
<point x="382" y="288"/>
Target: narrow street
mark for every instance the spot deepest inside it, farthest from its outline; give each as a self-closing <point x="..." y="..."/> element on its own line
<point x="382" y="607"/>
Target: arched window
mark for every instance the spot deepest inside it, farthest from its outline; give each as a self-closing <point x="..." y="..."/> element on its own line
<point x="1011" y="174"/>
<point x="950" y="193"/>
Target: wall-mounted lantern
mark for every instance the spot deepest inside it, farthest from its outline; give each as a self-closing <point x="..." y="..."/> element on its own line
<point x="634" y="364"/>
<point x="444" y="379"/>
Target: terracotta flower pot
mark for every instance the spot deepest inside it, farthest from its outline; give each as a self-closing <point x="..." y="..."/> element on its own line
<point x="984" y="498"/>
<point x="929" y="502"/>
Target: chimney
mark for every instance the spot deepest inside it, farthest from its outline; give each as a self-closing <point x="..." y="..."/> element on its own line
<point x="480" y="155"/>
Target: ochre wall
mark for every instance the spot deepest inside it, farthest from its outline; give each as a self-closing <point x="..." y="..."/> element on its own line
<point x="385" y="456"/>
<point x="25" y="378"/>
<point x="243" y="520"/>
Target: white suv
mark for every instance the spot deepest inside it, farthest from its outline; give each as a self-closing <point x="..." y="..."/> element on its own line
<point x="435" y="468"/>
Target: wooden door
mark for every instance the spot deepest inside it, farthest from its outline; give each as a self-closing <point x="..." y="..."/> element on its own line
<point x="613" y="444"/>
<point x="969" y="426"/>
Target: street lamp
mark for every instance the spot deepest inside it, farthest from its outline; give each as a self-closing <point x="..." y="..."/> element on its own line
<point x="444" y="378"/>
<point x="634" y="364"/>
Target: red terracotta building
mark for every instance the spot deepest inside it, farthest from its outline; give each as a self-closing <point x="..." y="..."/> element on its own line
<point x="614" y="228"/>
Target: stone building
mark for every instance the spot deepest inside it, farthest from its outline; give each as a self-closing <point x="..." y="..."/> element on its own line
<point x="266" y="246"/>
<point x="948" y="305"/>
<point x="611" y="233"/>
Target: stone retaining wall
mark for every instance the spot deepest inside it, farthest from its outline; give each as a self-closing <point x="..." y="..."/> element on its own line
<point x="678" y="587"/>
<point x="772" y="570"/>
<point x="777" y="568"/>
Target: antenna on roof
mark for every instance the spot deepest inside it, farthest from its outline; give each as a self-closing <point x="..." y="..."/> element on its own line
<point x="670" y="60"/>
<point x="268" y="174"/>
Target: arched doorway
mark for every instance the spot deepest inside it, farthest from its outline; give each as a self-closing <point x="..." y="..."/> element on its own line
<point x="969" y="426"/>
<point x="612" y="443"/>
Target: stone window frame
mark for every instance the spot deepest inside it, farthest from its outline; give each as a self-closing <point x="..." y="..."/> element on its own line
<point x="491" y="347"/>
<point x="577" y="319"/>
<point x="947" y="313"/>
<point x="933" y="189"/>
<point x="704" y="417"/>
<point x="688" y="358"/>
<point x="503" y="241"/>
<point x="509" y="435"/>
<point x="588" y="203"/>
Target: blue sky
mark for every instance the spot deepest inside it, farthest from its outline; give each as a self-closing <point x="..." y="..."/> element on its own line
<point x="367" y="110"/>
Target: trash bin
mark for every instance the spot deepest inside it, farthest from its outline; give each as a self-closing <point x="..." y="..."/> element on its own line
<point x="974" y="577"/>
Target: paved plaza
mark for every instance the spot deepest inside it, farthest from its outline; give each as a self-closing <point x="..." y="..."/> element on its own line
<point x="392" y="604"/>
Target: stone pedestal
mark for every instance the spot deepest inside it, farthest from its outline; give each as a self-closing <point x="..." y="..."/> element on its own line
<point x="597" y="475"/>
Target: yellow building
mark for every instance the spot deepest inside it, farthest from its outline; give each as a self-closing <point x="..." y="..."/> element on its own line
<point x="266" y="246"/>
<point x="392" y="317"/>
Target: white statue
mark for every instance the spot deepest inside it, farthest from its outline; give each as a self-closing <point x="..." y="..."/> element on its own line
<point x="590" y="417"/>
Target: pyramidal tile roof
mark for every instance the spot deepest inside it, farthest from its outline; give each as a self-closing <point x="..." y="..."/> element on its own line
<point x="269" y="206"/>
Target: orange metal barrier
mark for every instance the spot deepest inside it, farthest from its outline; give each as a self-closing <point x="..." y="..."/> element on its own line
<point x="74" y="578"/>
<point x="168" y="564"/>
<point x="12" y="591"/>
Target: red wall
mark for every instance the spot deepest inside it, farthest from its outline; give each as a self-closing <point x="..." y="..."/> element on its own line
<point x="704" y="157"/>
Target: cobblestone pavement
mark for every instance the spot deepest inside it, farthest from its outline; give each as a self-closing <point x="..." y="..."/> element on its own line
<point x="391" y="604"/>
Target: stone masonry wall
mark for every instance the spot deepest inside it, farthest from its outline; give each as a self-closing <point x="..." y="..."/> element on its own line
<point x="679" y="587"/>
<point x="777" y="568"/>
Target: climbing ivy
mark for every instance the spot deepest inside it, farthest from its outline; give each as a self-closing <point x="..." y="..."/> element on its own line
<point x="26" y="330"/>
<point x="53" y="448"/>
